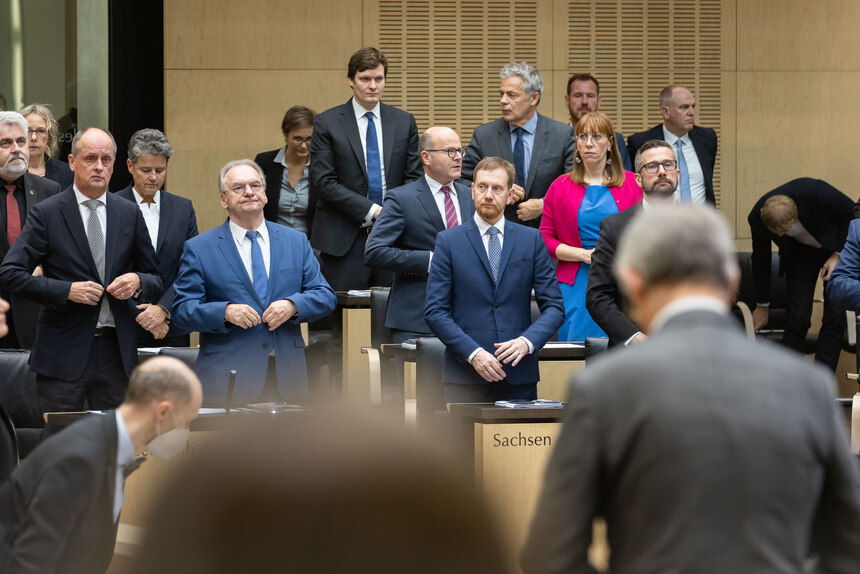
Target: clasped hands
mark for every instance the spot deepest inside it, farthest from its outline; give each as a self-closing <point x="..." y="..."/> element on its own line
<point x="245" y="316"/>
<point x="490" y="366"/>
<point x="90" y="292"/>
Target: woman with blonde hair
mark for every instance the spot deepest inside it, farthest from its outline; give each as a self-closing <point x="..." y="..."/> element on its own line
<point x="42" y="141"/>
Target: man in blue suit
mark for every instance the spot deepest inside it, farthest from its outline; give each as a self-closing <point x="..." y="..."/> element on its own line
<point x="844" y="285"/>
<point x="246" y="286"/>
<point x="479" y="296"/>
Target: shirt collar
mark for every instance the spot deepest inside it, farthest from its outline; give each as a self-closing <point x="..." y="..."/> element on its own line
<point x="483" y="226"/>
<point x="685" y="304"/>
<point x="360" y="111"/>
<point x="124" y="446"/>
<point x="238" y="232"/>
<point x="139" y="198"/>
<point x="436" y="187"/>
<point x="281" y="156"/>
<point x="671" y="138"/>
<point x="530" y="126"/>
<point x="80" y="197"/>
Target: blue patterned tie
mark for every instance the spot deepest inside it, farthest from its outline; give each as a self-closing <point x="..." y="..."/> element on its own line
<point x="686" y="196"/>
<point x="494" y="251"/>
<point x="520" y="157"/>
<point x="258" y="267"/>
<point x="374" y="167"/>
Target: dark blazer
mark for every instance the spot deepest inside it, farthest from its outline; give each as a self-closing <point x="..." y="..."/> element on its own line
<point x="822" y="209"/>
<point x="466" y="309"/>
<point x="55" y="238"/>
<point x="212" y="275"/>
<point x="56" y="509"/>
<point x="59" y="171"/>
<point x="844" y="285"/>
<point x="552" y="155"/>
<point x="177" y="223"/>
<point x="402" y="240"/>
<point x="704" y="142"/>
<point x="274" y="172"/>
<point x="25" y="313"/>
<point x="339" y="176"/>
<point x="700" y="460"/>
<point x="602" y="296"/>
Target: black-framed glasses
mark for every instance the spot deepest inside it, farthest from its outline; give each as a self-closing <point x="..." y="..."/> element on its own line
<point x="40" y="132"/>
<point x="451" y="151"/>
<point x="239" y="188"/>
<point x="654" y="166"/>
<point x="300" y="141"/>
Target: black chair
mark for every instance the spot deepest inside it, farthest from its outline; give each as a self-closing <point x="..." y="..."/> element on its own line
<point x="18" y="393"/>
<point x="187" y="355"/>
<point x="594" y="346"/>
<point x="8" y="446"/>
<point x="381" y="374"/>
<point x="429" y="394"/>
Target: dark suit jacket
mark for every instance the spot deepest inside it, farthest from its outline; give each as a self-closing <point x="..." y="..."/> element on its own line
<point x="56" y="509"/>
<point x="700" y="460"/>
<point x="274" y="172"/>
<point x="602" y="296"/>
<point x="552" y="155"/>
<point x="59" y="171"/>
<point x="339" y="176"/>
<point x="25" y="313"/>
<point x="212" y="275"/>
<point x="402" y="240"/>
<point x="466" y="309"/>
<point x="704" y="142"/>
<point x="822" y="209"/>
<point x="55" y="238"/>
<point x="177" y="223"/>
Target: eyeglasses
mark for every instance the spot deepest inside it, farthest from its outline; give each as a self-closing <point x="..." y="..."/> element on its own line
<point x="654" y="166"/>
<point x="451" y="151"/>
<point x="300" y="141"/>
<point x="597" y="139"/>
<point x="40" y="132"/>
<point x="239" y="188"/>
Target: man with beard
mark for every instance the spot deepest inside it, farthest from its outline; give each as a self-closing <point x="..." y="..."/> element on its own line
<point x="657" y="174"/>
<point x="582" y="97"/>
<point x="479" y="296"/>
<point x="22" y="191"/>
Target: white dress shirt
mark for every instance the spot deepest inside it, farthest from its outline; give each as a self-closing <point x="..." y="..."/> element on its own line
<point x="101" y="211"/>
<point x="694" y="168"/>
<point x="124" y="457"/>
<point x="436" y="190"/>
<point x="151" y="214"/>
<point x="243" y="244"/>
<point x="361" y="120"/>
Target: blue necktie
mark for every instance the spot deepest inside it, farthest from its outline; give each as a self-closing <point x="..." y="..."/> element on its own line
<point x="494" y="251"/>
<point x="686" y="196"/>
<point x="520" y="157"/>
<point x="258" y="267"/>
<point x="374" y="167"/>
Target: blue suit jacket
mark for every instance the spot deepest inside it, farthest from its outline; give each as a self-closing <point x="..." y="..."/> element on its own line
<point x="211" y="275"/>
<point x="844" y="285"/>
<point x="177" y="223"/>
<point x="401" y="241"/>
<point x="466" y="309"/>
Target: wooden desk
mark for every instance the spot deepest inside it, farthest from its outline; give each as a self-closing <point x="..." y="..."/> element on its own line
<point x="356" y="334"/>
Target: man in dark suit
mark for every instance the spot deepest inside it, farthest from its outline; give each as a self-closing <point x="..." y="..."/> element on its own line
<point x="22" y="190"/>
<point x="60" y="508"/>
<point x="657" y="175"/>
<point x="808" y="220"/>
<point x="352" y="147"/>
<point x="403" y="236"/>
<point x="704" y="451"/>
<point x="95" y="253"/>
<point x="540" y="148"/>
<point x="247" y="285"/>
<point x="697" y="145"/>
<point x="170" y="221"/>
<point x="479" y="296"/>
<point x="582" y="97"/>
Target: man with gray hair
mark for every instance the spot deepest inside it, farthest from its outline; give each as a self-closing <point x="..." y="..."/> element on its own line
<point x="170" y="220"/>
<point x="540" y="148"/>
<point x="21" y="191"/>
<point x="704" y="451"/>
<point x="247" y="285"/>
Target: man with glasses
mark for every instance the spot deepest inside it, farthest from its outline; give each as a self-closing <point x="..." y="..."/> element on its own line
<point x="540" y="148"/>
<point x="246" y="286"/>
<point x="403" y="237"/>
<point x="657" y="175"/>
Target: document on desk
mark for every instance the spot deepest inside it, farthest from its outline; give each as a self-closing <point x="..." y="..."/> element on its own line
<point x="564" y="345"/>
<point x="358" y="292"/>
<point x="535" y="404"/>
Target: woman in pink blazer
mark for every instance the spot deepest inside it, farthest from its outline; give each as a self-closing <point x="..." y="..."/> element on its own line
<point x="573" y="207"/>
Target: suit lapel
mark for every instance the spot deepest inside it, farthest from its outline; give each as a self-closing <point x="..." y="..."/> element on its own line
<point x="387" y="136"/>
<point x="538" y="147"/>
<point x="478" y="245"/>
<point x="165" y="220"/>
<point x="464" y="197"/>
<point x="112" y="225"/>
<point x="425" y="198"/>
<point x="507" y="247"/>
<point x="275" y="252"/>
<point x="228" y="248"/>
<point x="350" y="128"/>
<point x="504" y="135"/>
<point x="72" y="215"/>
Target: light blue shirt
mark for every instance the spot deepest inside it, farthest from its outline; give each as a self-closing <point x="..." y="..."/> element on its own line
<point x="528" y="140"/>
<point x="293" y="203"/>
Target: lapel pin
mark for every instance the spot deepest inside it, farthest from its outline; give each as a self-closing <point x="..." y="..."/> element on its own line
<point x="31" y="192"/>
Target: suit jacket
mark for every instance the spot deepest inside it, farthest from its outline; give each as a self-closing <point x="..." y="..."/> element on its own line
<point x="59" y="171"/>
<point x="552" y="156"/>
<point x="274" y="173"/>
<point x="339" y="176"/>
<point x="700" y="460"/>
<point x="177" y="223"/>
<point x="402" y="240"/>
<point x="602" y="296"/>
<point x="704" y="142"/>
<point x="25" y="313"/>
<point x="466" y="309"/>
<point x="56" y="508"/>
<point x="212" y="274"/>
<point x="844" y="285"/>
<point x="822" y="209"/>
<point x="55" y="238"/>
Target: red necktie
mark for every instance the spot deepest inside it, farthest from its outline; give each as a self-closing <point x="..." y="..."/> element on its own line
<point x="13" y="216"/>
<point x="450" y="212"/>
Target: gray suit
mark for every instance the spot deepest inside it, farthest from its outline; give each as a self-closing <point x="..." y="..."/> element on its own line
<point x="552" y="156"/>
<point x="704" y="453"/>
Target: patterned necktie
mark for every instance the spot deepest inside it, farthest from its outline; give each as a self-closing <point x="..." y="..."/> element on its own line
<point x="13" y="215"/>
<point x="686" y="196"/>
<point x="374" y="167"/>
<point x="258" y="267"/>
<point x="520" y="157"/>
<point x="96" y="239"/>
<point x="450" y="212"/>
<point x="494" y="251"/>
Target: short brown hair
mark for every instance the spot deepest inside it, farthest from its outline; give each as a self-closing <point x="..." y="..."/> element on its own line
<point x="366" y="59"/>
<point x="491" y="163"/>
<point x="297" y="117"/>
<point x="650" y="144"/>
<point x="598" y="123"/>
<point x="582" y="78"/>
<point x="779" y="213"/>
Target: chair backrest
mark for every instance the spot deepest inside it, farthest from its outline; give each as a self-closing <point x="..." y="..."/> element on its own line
<point x="429" y="358"/>
<point x="379" y="333"/>
<point x="8" y="446"/>
<point x="18" y="389"/>
<point x="594" y="347"/>
<point x="746" y="290"/>
<point x="187" y="355"/>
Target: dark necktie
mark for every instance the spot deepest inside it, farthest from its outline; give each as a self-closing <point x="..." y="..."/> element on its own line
<point x="494" y="251"/>
<point x="13" y="216"/>
<point x="374" y="166"/>
<point x="686" y="195"/>
<point x="520" y="157"/>
<point x="450" y="212"/>
<point x="258" y="267"/>
<point x="96" y="239"/>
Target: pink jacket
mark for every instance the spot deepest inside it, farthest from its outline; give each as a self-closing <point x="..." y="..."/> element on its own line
<point x="561" y="208"/>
